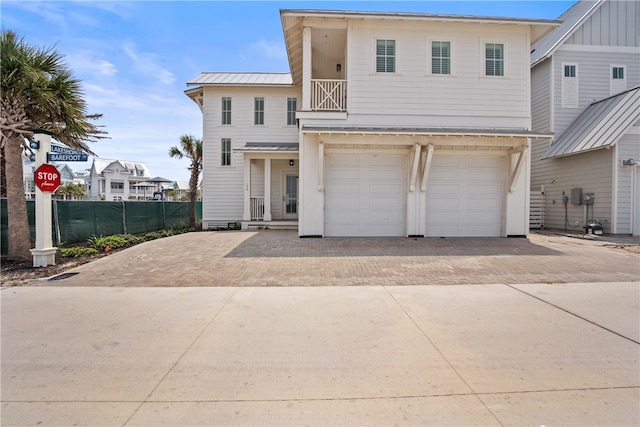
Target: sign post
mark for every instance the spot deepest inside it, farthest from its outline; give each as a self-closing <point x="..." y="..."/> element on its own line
<point x="44" y="253"/>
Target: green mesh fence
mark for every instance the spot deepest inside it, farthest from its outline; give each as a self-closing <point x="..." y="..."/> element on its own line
<point x="75" y="221"/>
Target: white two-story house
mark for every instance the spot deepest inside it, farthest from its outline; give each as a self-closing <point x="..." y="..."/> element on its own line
<point x="585" y="78"/>
<point x="389" y="124"/>
<point x="119" y="180"/>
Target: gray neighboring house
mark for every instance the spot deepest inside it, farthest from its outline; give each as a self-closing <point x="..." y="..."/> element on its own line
<point x="584" y="88"/>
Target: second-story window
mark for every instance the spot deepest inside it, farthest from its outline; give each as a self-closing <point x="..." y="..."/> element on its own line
<point x="385" y="56"/>
<point x="292" y="106"/>
<point x="494" y="59"/>
<point x="225" y="152"/>
<point x="258" y="111"/>
<point x="618" y="82"/>
<point x="569" y="86"/>
<point x="226" y="110"/>
<point x="440" y="57"/>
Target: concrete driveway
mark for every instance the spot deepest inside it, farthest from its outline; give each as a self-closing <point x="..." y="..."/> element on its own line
<point x="75" y="352"/>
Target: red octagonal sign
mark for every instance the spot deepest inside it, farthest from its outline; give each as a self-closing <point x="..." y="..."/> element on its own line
<point x="47" y="178"/>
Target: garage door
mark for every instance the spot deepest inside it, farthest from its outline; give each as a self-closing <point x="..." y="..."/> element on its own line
<point x="464" y="197"/>
<point x="636" y="198"/>
<point x="365" y="195"/>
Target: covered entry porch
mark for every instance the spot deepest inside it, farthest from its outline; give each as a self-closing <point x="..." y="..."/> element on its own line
<point x="270" y="185"/>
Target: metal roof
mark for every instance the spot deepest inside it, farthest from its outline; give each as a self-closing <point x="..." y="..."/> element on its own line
<point x="242" y="79"/>
<point x="262" y="147"/>
<point x="382" y="130"/>
<point x="600" y="125"/>
<point x="571" y="20"/>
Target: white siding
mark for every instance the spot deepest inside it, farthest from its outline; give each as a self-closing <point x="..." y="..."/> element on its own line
<point x="541" y="97"/>
<point x="594" y="70"/>
<point x="591" y="171"/>
<point x="628" y="148"/>
<point x="223" y="185"/>
<point x="413" y="95"/>
<point x="615" y="23"/>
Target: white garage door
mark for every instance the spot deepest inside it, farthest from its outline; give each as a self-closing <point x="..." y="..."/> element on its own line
<point x="365" y="195"/>
<point x="464" y="197"/>
<point x="636" y="197"/>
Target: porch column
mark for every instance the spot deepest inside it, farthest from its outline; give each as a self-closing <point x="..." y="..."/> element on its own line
<point x="306" y="69"/>
<point x="246" y="216"/>
<point x="267" y="190"/>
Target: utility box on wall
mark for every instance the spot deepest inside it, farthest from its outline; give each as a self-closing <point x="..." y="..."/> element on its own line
<point x="588" y="199"/>
<point x="576" y="196"/>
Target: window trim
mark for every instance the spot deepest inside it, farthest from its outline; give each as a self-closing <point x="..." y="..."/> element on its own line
<point x="395" y="55"/>
<point x="258" y="114"/>
<point x="224" y="119"/>
<point x="225" y="152"/>
<point x="485" y="59"/>
<point x="431" y="58"/>
<point x="292" y="122"/>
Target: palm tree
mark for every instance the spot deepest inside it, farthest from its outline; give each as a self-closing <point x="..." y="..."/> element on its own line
<point x="37" y="91"/>
<point x="191" y="148"/>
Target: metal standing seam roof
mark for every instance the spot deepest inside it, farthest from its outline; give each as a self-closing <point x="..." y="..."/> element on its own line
<point x="241" y="79"/>
<point x="600" y="125"/>
<point x="571" y="20"/>
<point x="292" y="147"/>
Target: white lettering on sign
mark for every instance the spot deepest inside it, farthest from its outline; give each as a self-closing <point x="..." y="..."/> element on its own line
<point x="47" y="176"/>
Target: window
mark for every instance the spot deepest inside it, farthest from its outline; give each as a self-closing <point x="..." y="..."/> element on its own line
<point x="569" y="86"/>
<point x="569" y="70"/>
<point x="226" y="110"/>
<point x="292" y="106"/>
<point x="494" y="59"/>
<point x="225" y="152"/>
<point x="618" y="81"/>
<point x="117" y="185"/>
<point x="440" y="57"/>
<point x="385" y="56"/>
<point x="258" y="111"/>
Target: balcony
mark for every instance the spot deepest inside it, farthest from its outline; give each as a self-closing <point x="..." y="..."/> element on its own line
<point x="328" y="95"/>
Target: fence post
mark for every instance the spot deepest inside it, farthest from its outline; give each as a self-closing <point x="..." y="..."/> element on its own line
<point x="56" y="222"/>
<point x="164" y="215"/>
<point x="124" y="217"/>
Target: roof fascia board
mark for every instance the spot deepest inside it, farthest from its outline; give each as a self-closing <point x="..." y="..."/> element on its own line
<point x="596" y="5"/>
<point x="428" y="132"/>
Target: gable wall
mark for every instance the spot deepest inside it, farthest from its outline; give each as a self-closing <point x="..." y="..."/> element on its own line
<point x="541" y="97"/>
<point x="414" y="96"/>
<point x="615" y="23"/>
<point x="222" y="186"/>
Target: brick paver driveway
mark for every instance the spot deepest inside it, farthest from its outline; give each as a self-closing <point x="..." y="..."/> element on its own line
<point x="280" y="258"/>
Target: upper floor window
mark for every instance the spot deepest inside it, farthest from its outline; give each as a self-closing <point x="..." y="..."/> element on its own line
<point x="226" y="110"/>
<point x="225" y="152"/>
<point x="618" y="80"/>
<point x="258" y="111"/>
<point x="494" y="59"/>
<point x="569" y="86"/>
<point x="440" y="57"/>
<point x="292" y="106"/>
<point x="117" y="185"/>
<point x="385" y="56"/>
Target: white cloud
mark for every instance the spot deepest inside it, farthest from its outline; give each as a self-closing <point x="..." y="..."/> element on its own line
<point x="147" y="64"/>
<point x="270" y="49"/>
<point x="86" y="63"/>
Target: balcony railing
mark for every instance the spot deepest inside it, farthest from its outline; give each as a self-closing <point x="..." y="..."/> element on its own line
<point x="329" y="95"/>
<point x="257" y="208"/>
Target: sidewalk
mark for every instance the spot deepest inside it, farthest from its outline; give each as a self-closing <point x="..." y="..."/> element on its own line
<point x="445" y="355"/>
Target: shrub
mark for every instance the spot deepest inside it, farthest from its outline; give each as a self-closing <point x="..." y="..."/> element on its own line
<point x="115" y="241"/>
<point x="77" y="252"/>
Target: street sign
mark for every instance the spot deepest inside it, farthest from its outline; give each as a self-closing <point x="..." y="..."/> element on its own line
<point x="47" y="178"/>
<point x="34" y="145"/>
<point x="64" y="154"/>
<point x="32" y="157"/>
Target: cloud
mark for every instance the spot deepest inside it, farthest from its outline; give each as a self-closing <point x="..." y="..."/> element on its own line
<point x="147" y="64"/>
<point x="86" y="63"/>
<point x="270" y="49"/>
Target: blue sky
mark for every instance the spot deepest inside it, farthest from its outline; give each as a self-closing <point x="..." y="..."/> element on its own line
<point x="135" y="57"/>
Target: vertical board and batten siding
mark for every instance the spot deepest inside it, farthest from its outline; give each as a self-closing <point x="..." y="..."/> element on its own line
<point x="594" y="70"/>
<point x="627" y="148"/>
<point x="414" y="96"/>
<point x="223" y="190"/>
<point x="591" y="171"/>
<point x="615" y="23"/>
<point x="541" y="97"/>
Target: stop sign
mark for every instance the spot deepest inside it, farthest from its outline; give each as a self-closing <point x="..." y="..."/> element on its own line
<point x="47" y="178"/>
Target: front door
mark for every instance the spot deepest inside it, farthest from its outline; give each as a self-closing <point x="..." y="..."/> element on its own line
<point x="290" y="198"/>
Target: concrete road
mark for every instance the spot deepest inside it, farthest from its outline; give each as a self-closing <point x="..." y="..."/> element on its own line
<point x="491" y="354"/>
